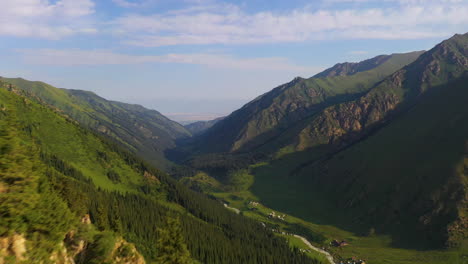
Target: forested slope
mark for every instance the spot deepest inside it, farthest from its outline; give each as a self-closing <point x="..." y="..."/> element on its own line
<point x="55" y="172"/>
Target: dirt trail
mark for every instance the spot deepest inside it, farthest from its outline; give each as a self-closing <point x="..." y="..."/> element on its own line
<point x="329" y="257"/>
<point x="321" y="251"/>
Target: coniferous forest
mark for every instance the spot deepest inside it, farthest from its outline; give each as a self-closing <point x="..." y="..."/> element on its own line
<point x="44" y="196"/>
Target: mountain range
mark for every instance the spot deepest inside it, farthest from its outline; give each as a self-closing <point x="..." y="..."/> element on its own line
<point x="378" y="148"/>
<point x="381" y="143"/>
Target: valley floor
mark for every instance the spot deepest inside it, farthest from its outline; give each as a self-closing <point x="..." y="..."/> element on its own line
<point x="374" y="248"/>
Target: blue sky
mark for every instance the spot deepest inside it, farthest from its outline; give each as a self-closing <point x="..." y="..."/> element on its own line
<point x="207" y="56"/>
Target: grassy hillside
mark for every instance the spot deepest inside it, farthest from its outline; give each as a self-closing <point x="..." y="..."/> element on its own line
<point x="269" y="115"/>
<point x="145" y="132"/>
<point x="77" y="172"/>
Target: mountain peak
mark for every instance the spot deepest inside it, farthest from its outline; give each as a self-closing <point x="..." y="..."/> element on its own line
<point x="350" y="68"/>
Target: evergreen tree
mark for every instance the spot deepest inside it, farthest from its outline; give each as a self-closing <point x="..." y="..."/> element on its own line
<point x="171" y="246"/>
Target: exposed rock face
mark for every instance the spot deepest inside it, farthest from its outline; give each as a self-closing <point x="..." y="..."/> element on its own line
<point x="344" y="123"/>
<point x="13" y="246"/>
<point x="125" y="253"/>
<point x="269" y="116"/>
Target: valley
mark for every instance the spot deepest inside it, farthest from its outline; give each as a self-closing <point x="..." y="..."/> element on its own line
<point x="383" y="170"/>
<point x="364" y="162"/>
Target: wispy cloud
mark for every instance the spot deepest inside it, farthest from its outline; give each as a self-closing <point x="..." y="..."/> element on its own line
<point x="229" y="24"/>
<point x="73" y="57"/>
<point x="45" y="19"/>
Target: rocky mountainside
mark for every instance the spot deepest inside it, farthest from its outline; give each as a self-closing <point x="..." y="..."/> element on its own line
<point x="75" y="248"/>
<point x="266" y="117"/>
<point x="145" y="132"/>
<point x="342" y="124"/>
<point x="395" y="159"/>
<point x="389" y="158"/>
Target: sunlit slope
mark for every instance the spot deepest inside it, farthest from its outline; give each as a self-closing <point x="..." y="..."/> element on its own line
<point x="145" y="132"/>
<point x="53" y="172"/>
<point x="266" y="117"/>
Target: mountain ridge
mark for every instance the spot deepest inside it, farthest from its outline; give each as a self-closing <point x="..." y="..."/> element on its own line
<point x="269" y="114"/>
<point x="146" y="132"/>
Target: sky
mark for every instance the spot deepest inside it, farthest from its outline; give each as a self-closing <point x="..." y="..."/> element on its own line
<point x="207" y="57"/>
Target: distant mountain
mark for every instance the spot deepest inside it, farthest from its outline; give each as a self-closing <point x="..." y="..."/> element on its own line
<point x="199" y="127"/>
<point x="268" y="116"/>
<point x="145" y="132"/>
<point x="71" y="195"/>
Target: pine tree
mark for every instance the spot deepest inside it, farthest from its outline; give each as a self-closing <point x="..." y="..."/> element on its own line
<point x="171" y="246"/>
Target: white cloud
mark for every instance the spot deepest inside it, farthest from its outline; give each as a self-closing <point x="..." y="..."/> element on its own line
<point x="73" y="57"/>
<point x="45" y="19"/>
<point x="228" y="24"/>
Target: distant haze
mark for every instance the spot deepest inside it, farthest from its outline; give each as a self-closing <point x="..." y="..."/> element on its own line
<point x="187" y="118"/>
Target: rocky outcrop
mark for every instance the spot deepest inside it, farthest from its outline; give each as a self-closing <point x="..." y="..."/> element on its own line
<point x="126" y="253"/>
<point x="344" y="123"/>
<point x="17" y="249"/>
<point x="13" y="246"/>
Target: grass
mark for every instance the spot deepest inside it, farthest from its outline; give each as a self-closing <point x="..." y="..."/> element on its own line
<point x="133" y="126"/>
<point x="403" y="155"/>
<point x="295" y="242"/>
<point x="63" y="138"/>
<point x="377" y="249"/>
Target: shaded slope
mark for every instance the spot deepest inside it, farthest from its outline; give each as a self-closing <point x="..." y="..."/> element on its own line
<point x="145" y="132"/>
<point x="409" y="179"/>
<point x="394" y="159"/>
<point x="267" y="116"/>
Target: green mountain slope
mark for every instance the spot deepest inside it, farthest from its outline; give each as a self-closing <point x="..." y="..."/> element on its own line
<point x="54" y="171"/>
<point x="394" y="159"/>
<point x="269" y="115"/>
<point x="350" y="68"/>
<point x="342" y="124"/>
<point x="145" y="132"/>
